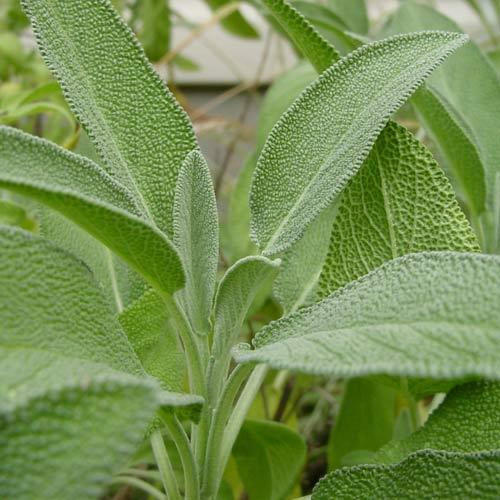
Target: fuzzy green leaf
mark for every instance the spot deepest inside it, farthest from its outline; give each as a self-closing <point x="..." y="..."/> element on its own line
<point x="365" y="421"/>
<point x="66" y="425"/>
<point x="467" y="421"/>
<point x="235" y="294"/>
<point x="147" y="327"/>
<point x="430" y="315"/>
<point x="400" y="202"/>
<point x="269" y="457"/>
<point x="140" y="131"/>
<point x="320" y="142"/>
<point x="426" y="475"/>
<point x="302" y="264"/>
<point x="83" y="192"/>
<point x="455" y="145"/>
<point x="12" y="214"/>
<point x="470" y="86"/>
<point x="316" y="49"/>
<point x="196" y="236"/>
<point x="51" y="302"/>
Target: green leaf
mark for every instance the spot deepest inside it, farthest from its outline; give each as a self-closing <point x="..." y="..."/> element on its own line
<point x="235" y="294"/>
<point x="121" y="284"/>
<point x="66" y="425"/>
<point x="12" y="214"/>
<point x="470" y="86"/>
<point x="280" y="96"/>
<point x="455" y="145"/>
<point x="83" y="192"/>
<point x="269" y="457"/>
<point x="147" y="327"/>
<point x="196" y="236"/>
<point x="320" y="142"/>
<point x="316" y="49"/>
<point x="432" y="315"/>
<point x="50" y="301"/>
<point x="139" y="130"/>
<point x="400" y="202"/>
<point x="329" y="26"/>
<point x="352" y="12"/>
<point x="467" y="421"/>
<point x="155" y="26"/>
<point x="301" y="265"/>
<point x="234" y="23"/>
<point x="494" y="57"/>
<point x="426" y="474"/>
<point x="365" y="421"/>
<point x="185" y="63"/>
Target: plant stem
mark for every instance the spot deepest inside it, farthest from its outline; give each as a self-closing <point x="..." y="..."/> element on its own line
<point x="239" y="413"/>
<point x="139" y="483"/>
<point x="191" y="347"/>
<point x="164" y="466"/>
<point x="211" y="466"/>
<point x="178" y="435"/>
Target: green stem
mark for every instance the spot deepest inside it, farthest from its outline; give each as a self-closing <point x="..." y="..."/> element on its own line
<point x="239" y="413"/>
<point x="164" y="466"/>
<point x="211" y="466"/>
<point x="140" y="484"/>
<point x="178" y="435"/>
<point x="191" y="347"/>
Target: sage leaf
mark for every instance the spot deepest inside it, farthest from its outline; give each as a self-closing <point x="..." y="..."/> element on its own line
<point x="321" y="141"/>
<point x="365" y="420"/>
<point x="269" y="456"/>
<point x="196" y="236"/>
<point x="83" y="192"/>
<point x="302" y="264"/>
<point x="139" y="130"/>
<point x="66" y="425"/>
<point x="467" y="421"/>
<point x="429" y="315"/>
<point x="308" y="40"/>
<point x="352" y="12"/>
<point x="455" y="144"/>
<point x="50" y="301"/>
<point x="235" y="294"/>
<point x="234" y="23"/>
<point x="400" y="202"/>
<point x="454" y="475"/>
<point x="147" y="327"/>
<point x="470" y="86"/>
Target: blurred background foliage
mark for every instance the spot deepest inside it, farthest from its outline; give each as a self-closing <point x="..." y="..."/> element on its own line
<point x="232" y="120"/>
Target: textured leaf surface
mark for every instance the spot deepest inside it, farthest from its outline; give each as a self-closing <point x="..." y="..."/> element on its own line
<point x="400" y="202"/>
<point x="269" y="457"/>
<point x="467" y="421"/>
<point x="66" y="425"/>
<point x="146" y="324"/>
<point x="83" y="192"/>
<point x="455" y="144"/>
<point x="51" y="302"/>
<point x="296" y="284"/>
<point x="235" y="294"/>
<point x="321" y="141"/>
<point x="308" y="40"/>
<point x="196" y="236"/>
<point x="426" y="475"/>
<point x="329" y="26"/>
<point x="139" y="130"/>
<point x="365" y="420"/>
<point x="121" y="284"/>
<point x="431" y="314"/>
<point x="467" y="81"/>
<point x="12" y="214"/>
